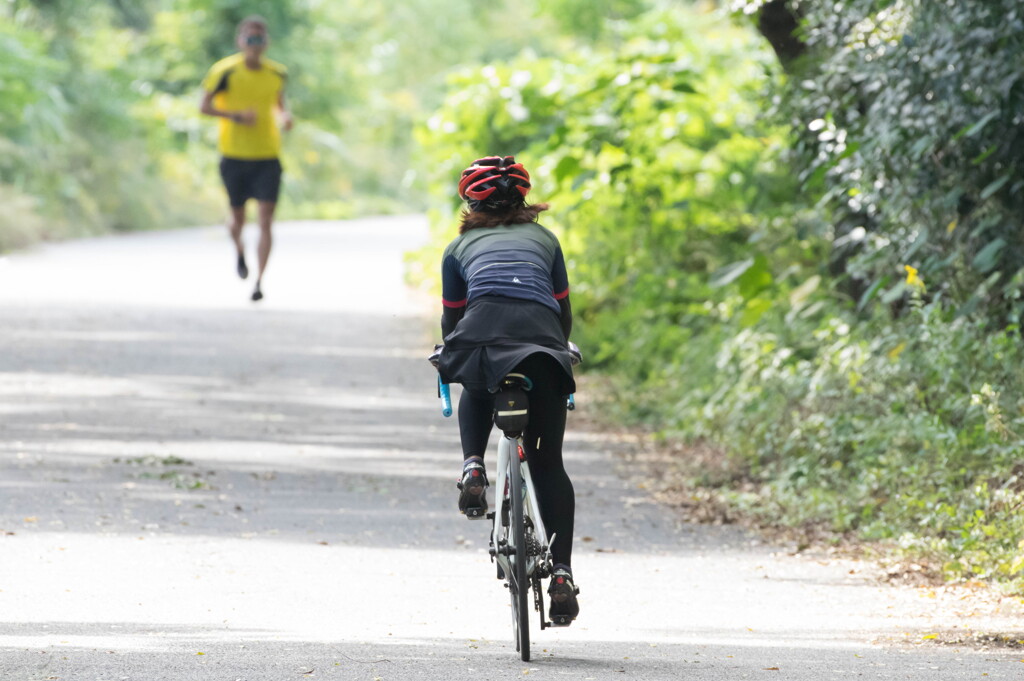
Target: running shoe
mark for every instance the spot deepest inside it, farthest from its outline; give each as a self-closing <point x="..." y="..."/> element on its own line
<point x="562" y="592"/>
<point x="473" y="491"/>
<point x="243" y="270"/>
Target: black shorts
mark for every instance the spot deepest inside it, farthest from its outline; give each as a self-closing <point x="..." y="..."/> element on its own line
<point x="244" y="180"/>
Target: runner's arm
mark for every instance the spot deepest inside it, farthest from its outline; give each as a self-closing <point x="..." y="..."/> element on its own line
<point x="207" y="107"/>
<point x="287" y="121"/>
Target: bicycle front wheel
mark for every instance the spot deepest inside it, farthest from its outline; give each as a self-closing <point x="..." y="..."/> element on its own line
<point x="519" y="584"/>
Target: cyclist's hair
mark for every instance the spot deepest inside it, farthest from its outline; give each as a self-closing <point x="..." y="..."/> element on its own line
<point x="495" y="188"/>
<point x="518" y="216"/>
<point x="251" y="20"/>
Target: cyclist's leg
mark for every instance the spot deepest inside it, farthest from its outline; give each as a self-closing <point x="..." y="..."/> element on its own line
<point x="476" y="413"/>
<point x="476" y="416"/>
<point x="543" y="442"/>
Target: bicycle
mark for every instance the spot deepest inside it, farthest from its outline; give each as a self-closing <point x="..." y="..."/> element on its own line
<point x="519" y="543"/>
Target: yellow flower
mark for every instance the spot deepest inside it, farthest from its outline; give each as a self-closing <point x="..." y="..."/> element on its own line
<point x="913" y="280"/>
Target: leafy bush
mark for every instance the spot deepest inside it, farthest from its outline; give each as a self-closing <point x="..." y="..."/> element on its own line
<point x="909" y="120"/>
<point x="908" y="430"/>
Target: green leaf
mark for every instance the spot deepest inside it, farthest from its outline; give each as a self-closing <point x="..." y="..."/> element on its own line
<point x="920" y="241"/>
<point x="756" y="278"/>
<point x="895" y="293"/>
<point x="980" y="158"/>
<point x="995" y="186"/>
<point x="581" y="178"/>
<point x="870" y="293"/>
<point x="730" y="273"/>
<point x="800" y="294"/>
<point x="611" y="157"/>
<point x="567" y="167"/>
<point x="754" y="310"/>
<point x="988" y="257"/>
<point x="973" y="130"/>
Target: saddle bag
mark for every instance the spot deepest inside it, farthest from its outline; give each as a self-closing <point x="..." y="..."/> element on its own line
<point x="511" y="409"/>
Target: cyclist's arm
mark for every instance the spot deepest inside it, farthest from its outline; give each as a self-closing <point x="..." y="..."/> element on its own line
<point x="565" y="316"/>
<point x="449" y="318"/>
<point x="454" y="293"/>
<point x="560" y="284"/>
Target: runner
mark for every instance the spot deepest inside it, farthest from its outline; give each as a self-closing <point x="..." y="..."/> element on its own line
<point x="244" y="90"/>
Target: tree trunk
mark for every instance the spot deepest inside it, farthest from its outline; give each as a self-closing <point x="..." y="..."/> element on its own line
<point x="779" y="24"/>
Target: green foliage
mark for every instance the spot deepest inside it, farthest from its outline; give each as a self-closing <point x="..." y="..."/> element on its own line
<point x="908" y="430"/>
<point x="590" y="18"/>
<point x="71" y="96"/>
<point x="910" y="120"/>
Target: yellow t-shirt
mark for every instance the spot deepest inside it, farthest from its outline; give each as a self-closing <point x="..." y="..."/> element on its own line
<point x="239" y="88"/>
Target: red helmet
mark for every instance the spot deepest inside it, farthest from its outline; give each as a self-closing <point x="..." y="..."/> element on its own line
<point x="494" y="183"/>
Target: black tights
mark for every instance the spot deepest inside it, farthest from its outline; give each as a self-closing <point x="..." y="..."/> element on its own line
<point x="542" y="442"/>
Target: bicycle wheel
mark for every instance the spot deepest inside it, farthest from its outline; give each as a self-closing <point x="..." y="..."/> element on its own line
<point x="519" y="586"/>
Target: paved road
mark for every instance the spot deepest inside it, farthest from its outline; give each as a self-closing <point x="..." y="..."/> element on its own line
<point x="193" y="486"/>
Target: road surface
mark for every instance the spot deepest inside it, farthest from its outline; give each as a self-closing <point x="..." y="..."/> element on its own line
<point x="194" y="486"/>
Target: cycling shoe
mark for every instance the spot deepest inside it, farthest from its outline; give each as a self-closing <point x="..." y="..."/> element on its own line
<point x="562" y="593"/>
<point x="473" y="491"/>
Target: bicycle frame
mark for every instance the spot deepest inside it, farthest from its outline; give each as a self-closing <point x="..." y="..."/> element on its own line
<point x="508" y="455"/>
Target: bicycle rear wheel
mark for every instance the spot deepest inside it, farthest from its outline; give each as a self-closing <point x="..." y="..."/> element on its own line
<point x="519" y="585"/>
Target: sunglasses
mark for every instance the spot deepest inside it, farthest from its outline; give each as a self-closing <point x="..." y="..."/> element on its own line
<point x="255" y="40"/>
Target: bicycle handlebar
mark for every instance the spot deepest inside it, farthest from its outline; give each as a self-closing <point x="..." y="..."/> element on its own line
<point x="444" y="391"/>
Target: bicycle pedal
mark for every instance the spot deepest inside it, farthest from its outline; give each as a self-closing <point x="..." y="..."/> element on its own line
<point x="475" y="513"/>
<point x="560" y="621"/>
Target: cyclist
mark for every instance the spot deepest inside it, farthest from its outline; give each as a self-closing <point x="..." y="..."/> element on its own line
<point x="506" y="309"/>
<point x="244" y="90"/>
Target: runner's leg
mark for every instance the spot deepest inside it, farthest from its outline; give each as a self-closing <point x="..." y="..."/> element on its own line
<point x="235" y="224"/>
<point x="233" y="174"/>
<point x="266" y="238"/>
<point x="266" y="221"/>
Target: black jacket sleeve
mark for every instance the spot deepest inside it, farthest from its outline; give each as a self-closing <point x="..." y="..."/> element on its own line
<point x="565" y="316"/>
